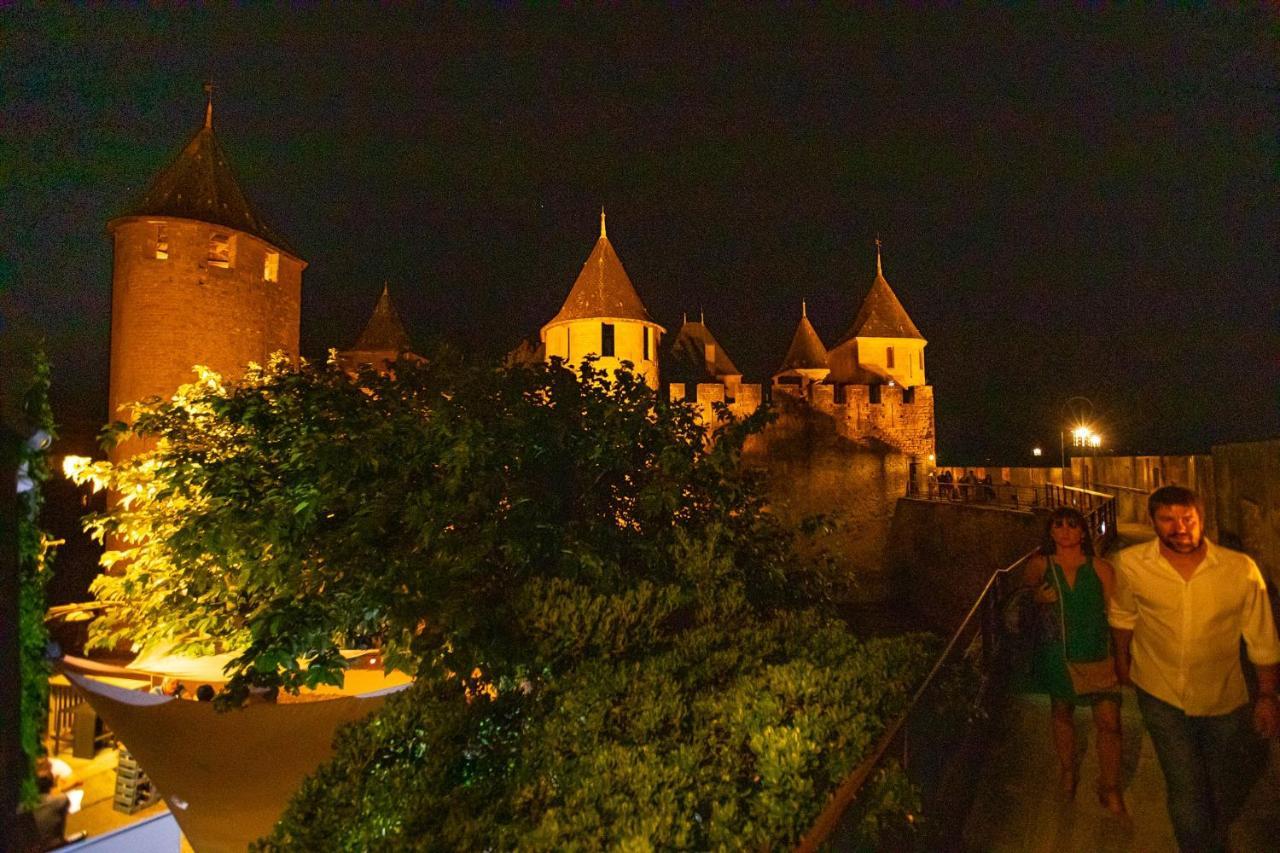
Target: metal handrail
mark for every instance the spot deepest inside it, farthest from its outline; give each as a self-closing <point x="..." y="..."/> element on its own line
<point x="1101" y="515"/>
<point x="1120" y="488"/>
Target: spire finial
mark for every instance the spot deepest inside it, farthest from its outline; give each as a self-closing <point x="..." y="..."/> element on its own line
<point x="385" y="291"/>
<point x="702" y="316"/>
<point x="208" y="103"/>
<point x="804" y="309"/>
<point x="603" y="234"/>
<point x="879" y="268"/>
<point x="684" y="318"/>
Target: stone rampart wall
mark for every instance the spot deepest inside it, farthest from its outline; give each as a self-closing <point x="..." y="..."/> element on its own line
<point x="939" y="555"/>
<point x="814" y="468"/>
<point x="1133" y="478"/>
<point x="1246" y="501"/>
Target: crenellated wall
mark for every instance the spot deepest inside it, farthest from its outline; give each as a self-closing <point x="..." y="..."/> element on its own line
<point x="705" y="395"/>
<point x="901" y="418"/>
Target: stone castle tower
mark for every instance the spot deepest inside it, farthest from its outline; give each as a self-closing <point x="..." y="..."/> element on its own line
<point x="604" y="316"/>
<point x="198" y="278"/>
<point x="871" y="384"/>
<point x="383" y="340"/>
<point x="882" y="345"/>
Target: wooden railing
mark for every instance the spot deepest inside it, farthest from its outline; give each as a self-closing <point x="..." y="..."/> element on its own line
<point x="913" y="739"/>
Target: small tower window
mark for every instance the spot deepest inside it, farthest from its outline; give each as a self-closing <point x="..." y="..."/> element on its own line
<point x="271" y="267"/>
<point x="646" y="344"/>
<point x="162" y="243"/>
<point x="874" y="394"/>
<point x="888" y="356"/>
<point x="606" y="340"/>
<point x="220" y="251"/>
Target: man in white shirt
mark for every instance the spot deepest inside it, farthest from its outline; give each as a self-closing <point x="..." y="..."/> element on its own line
<point x="1181" y="607"/>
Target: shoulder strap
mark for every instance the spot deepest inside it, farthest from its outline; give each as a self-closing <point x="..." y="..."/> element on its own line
<point x="1062" y="611"/>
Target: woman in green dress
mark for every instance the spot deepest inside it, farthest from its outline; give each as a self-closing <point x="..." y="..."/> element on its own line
<point x="1073" y="588"/>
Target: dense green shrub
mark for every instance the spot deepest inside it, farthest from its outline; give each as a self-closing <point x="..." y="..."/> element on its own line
<point x="730" y="739"/>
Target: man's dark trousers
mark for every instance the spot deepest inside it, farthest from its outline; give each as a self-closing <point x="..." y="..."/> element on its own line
<point x="1209" y="764"/>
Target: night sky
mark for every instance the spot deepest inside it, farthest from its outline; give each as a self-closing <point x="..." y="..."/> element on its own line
<point x="1076" y="204"/>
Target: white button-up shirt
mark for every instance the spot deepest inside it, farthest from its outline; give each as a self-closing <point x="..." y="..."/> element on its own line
<point x="1186" y="633"/>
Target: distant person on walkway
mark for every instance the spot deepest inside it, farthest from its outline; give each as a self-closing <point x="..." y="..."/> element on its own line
<point x="1073" y="661"/>
<point x="1181" y="608"/>
<point x="946" y="483"/>
<point x="967" y="482"/>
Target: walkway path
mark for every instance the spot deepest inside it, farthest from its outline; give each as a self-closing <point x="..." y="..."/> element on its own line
<point x="1017" y="808"/>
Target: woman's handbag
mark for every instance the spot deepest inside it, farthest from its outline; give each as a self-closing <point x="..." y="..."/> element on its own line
<point x="1091" y="676"/>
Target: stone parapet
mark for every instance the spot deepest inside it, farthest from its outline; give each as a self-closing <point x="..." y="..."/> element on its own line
<point x="902" y="418"/>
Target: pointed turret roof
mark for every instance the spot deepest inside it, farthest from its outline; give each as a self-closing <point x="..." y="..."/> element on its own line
<point x="688" y="359"/>
<point x="384" y="331"/>
<point x="881" y="314"/>
<point x="603" y="288"/>
<point x="806" y="351"/>
<point x="200" y="185"/>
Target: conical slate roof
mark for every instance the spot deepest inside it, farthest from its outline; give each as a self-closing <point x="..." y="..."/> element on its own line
<point x="688" y="359"/>
<point x="806" y="351"/>
<point x="200" y="185"/>
<point x="881" y="314"/>
<point x="603" y="288"/>
<point x="384" y="331"/>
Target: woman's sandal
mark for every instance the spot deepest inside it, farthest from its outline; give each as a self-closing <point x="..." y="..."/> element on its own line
<point x="1112" y="800"/>
<point x="1066" y="785"/>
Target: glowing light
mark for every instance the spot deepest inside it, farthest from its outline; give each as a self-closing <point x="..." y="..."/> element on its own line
<point x="1084" y="436"/>
<point x="1035" y="451"/>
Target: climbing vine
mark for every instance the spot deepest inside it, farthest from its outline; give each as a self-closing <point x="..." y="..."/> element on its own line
<point x="35" y="555"/>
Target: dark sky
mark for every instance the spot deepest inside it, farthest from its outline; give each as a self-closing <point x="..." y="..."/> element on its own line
<point x="1076" y="204"/>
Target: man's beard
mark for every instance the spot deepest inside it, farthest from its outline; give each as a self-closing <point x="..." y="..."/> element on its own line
<point x="1182" y="545"/>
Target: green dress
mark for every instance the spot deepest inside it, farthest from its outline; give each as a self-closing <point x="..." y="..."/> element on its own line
<point x="1088" y="636"/>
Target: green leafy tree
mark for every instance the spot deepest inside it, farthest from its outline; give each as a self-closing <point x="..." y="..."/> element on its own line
<point x="615" y="642"/>
<point x="448" y="512"/>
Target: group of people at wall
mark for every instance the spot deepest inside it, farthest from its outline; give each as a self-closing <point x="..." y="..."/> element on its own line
<point x="968" y="487"/>
<point x="1169" y="619"/>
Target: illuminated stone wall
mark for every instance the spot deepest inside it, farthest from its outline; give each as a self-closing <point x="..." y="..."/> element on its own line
<point x="1246" y="497"/>
<point x="573" y="340"/>
<point x="170" y="313"/>
<point x="901" y="418"/>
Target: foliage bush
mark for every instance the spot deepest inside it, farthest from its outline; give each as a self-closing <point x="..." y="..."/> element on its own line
<point x="615" y="642"/>
<point x="35" y="555"/>
<point x="730" y="739"/>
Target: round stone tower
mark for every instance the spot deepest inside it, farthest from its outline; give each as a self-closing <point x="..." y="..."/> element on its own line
<point x="603" y="316"/>
<point x="198" y="279"/>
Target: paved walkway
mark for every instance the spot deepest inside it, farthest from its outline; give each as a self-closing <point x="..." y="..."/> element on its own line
<point x="1017" y="808"/>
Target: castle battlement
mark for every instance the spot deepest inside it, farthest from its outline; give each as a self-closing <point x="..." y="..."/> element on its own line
<point x="902" y="418"/>
<point x="743" y="399"/>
